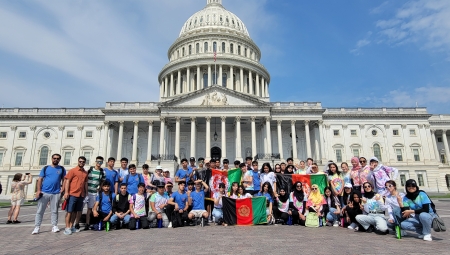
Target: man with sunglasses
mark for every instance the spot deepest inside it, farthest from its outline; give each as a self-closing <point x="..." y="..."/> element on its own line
<point x="48" y="190"/>
<point x="96" y="176"/>
<point x="74" y="193"/>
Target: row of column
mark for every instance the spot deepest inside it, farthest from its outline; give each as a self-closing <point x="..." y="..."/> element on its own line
<point x="444" y="140"/>
<point x="294" y="139"/>
<point x="168" y="88"/>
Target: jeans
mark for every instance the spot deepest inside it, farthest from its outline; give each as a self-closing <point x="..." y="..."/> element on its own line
<point x="375" y="219"/>
<point x="152" y="216"/>
<point x="421" y="224"/>
<point x="331" y="217"/>
<point x="397" y="214"/>
<point x="42" y="205"/>
<point x="218" y="214"/>
<point x="115" y="219"/>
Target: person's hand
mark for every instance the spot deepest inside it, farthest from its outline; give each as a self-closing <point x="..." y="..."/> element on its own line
<point x="289" y="212"/>
<point x="189" y="193"/>
<point x="38" y="194"/>
<point x="348" y="219"/>
<point x="95" y="213"/>
<point x="303" y="217"/>
<point x="176" y="207"/>
<point x="180" y="211"/>
<point x="137" y="217"/>
<point x="391" y="221"/>
<point x="162" y="206"/>
<point x="364" y="199"/>
<point x="66" y="196"/>
<point x="120" y="215"/>
<point x="350" y="204"/>
<point x="106" y="218"/>
<point x="407" y="213"/>
<point x="377" y="197"/>
<point x="361" y="206"/>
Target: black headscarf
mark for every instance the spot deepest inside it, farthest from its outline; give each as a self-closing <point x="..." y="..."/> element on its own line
<point x="287" y="171"/>
<point x="412" y="195"/>
<point x="298" y="194"/>
<point x="285" y="197"/>
<point x="369" y="194"/>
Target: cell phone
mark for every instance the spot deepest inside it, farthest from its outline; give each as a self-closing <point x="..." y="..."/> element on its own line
<point x="27" y="173"/>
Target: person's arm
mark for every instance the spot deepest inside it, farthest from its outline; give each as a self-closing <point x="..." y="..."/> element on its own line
<point x="66" y="189"/>
<point x="38" y="187"/>
<point x="275" y="189"/>
<point x="394" y="173"/>
<point x="132" y="211"/>
<point x="172" y="202"/>
<point x="217" y="200"/>
<point x="29" y="179"/>
<point x="270" y="208"/>
<point x="116" y="184"/>
<point x="152" y="205"/>
<point x="94" y="210"/>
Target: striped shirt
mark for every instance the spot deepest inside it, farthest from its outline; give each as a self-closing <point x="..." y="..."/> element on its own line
<point x="93" y="181"/>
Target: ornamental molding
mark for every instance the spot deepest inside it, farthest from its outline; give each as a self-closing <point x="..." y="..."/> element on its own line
<point x="13" y="128"/>
<point x="61" y="128"/>
<point x="387" y="126"/>
<point x="99" y="128"/>
<point x="32" y="128"/>
<point x="215" y="98"/>
<point x="404" y="126"/>
<point x="420" y="126"/>
<point x="80" y="127"/>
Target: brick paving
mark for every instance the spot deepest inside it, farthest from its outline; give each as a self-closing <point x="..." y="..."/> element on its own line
<point x="17" y="239"/>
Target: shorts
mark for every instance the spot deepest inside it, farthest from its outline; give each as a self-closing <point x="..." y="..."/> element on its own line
<point x="17" y="202"/>
<point x="91" y="200"/>
<point x="75" y="204"/>
<point x="197" y="213"/>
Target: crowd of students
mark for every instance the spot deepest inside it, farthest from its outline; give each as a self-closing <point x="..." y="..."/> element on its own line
<point x="358" y="198"/>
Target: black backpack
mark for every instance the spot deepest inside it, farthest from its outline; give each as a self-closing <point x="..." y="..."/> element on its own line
<point x="100" y="197"/>
<point x="62" y="172"/>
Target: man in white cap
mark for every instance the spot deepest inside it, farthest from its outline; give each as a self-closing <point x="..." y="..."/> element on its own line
<point x="158" y="175"/>
<point x="379" y="175"/>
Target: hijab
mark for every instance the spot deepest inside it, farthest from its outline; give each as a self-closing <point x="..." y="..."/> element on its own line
<point x="358" y="167"/>
<point x="412" y="195"/>
<point x="369" y="194"/>
<point x="287" y="169"/>
<point x="298" y="194"/>
<point x="315" y="196"/>
<point x="284" y="198"/>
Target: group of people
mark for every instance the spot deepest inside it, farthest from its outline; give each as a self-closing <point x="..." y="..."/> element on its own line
<point x="356" y="198"/>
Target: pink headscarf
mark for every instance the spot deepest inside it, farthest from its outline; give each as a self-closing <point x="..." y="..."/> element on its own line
<point x="358" y="167"/>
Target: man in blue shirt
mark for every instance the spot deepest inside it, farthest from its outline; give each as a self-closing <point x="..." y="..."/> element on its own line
<point x="111" y="175"/>
<point x="256" y="179"/>
<point x="48" y="186"/>
<point x="179" y="200"/>
<point x="123" y="170"/>
<point x="132" y="180"/>
<point x="183" y="174"/>
<point x="197" y="200"/>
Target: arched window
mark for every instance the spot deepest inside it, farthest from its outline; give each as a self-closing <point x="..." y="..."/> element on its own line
<point x="183" y="51"/>
<point x="231" y="48"/>
<point x="224" y="80"/>
<point x="43" y="156"/>
<point x="190" y="49"/>
<point x="377" y="151"/>
<point x="205" y="80"/>
<point x="223" y="47"/>
<point x="214" y="46"/>
<point x="205" y="49"/>
<point x="245" y="52"/>
<point x="239" y="50"/>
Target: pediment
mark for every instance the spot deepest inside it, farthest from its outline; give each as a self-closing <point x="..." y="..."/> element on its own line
<point x="215" y="96"/>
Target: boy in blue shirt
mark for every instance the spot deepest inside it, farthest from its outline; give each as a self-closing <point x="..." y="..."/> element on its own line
<point x="132" y="180"/>
<point x="179" y="202"/>
<point x="103" y="206"/>
<point x="112" y="175"/>
<point x="183" y="174"/>
<point x="197" y="199"/>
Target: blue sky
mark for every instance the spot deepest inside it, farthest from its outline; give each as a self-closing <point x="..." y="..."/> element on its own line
<point x="354" y="53"/>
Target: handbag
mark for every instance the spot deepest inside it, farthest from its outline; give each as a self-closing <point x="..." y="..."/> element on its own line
<point x="438" y="224"/>
<point x="312" y="220"/>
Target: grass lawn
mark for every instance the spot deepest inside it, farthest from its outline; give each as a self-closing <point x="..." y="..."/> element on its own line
<point x="9" y="203"/>
<point x="440" y="196"/>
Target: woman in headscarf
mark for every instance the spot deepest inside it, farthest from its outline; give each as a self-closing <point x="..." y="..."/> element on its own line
<point x="297" y="204"/>
<point x="282" y="206"/>
<point x="373" y="212"/>
<point x="315" y="200"/>
<point x="278" y="169"/>
<point x="354" y="174"/>
<point x="353" y="208"/>
<point x="290" y="169"/>
<point x="301" y="169"/>
<point x="418" y="211"/>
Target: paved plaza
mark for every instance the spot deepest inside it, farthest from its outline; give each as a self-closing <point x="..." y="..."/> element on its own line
<point x="17" y="239"/>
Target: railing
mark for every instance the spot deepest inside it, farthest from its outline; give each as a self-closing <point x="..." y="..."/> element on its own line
<point x="267" y="156"/>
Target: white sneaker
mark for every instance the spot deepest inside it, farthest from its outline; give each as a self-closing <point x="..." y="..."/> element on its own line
<point x="67" y="231"/>
<point x="170" y="225"/>
<point x="427" y="237"/>
<point x="35" y="231"/>
<point x="352" y="226"/>
<point x="336" y="224"/>
<point x="55" y="229"/>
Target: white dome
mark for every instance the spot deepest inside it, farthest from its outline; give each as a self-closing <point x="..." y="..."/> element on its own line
<point x="214" y="15"/>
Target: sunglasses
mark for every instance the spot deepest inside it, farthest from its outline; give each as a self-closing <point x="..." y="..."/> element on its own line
<point x="299" y="186"/>
<point x="99" y="162"/>
<point x="82" y="162"/>
<point x="362" y="161"/>
<point x="389" y="186"/>
<point x="314" y="189"/>
<point x="56" y="158"/>
<point x="367" y="186"/>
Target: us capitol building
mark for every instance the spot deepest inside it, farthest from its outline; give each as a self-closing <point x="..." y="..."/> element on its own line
<point x="222" y="109"/>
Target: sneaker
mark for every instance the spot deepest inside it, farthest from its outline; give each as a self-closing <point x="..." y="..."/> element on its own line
<point x="9" y="222"/>
<point x="329" y="224"/>
<point x="427" y="237"/>
<point x="86" y="226"/>
<point x="352" y="226"/>
<point x="55" y="229"/>
<point x="421" y="236"/>
<point x="403" y="233"/>
<point x="170" y="225"/>
<point x="210" y="221"/>
<point x="67" y="231"/>
<point x="35" y="231"/>
<point x="336" y="224"/>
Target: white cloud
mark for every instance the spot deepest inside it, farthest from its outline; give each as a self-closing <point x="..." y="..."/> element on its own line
<point x="361" y="43"/>
<point x="429" y="95"/>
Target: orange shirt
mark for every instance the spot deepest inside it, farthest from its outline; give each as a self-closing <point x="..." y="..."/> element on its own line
<point x="77" y="178"/>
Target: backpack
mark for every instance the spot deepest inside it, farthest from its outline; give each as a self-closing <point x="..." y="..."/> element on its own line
<point x="100" y="197"/>
<point x="140" y="178"/>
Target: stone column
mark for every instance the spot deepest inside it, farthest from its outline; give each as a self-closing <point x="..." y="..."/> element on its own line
<point x="267" y="89"/>
<point x="230" y="84"/>
<point x="135" y="142"/>
<point x="178" y="82"/>
<point x="268" y="135"/>
<point x="257" y="84"/>
<point x="263" y="88"/>
<point x="171" y="85"/>
<point x="238" y="139"/>
<point x="119" y="143"/>
<point x="254" y="152"/>
<point x="436" y="151"/>
<point x="193" y="135"/>
<point x="198" y="78"/>
<point x="308" y="140"/>
<point x="161" y="90"/>
<point x="149" y="142"/>
<point x="294" y="141"/>
<point x="162" y="136"/>
<point x="208" y="138"/>
<point x="250" y="82"/>
<point x="280" y="140"/>
<point x="166" y="85"/>
<point x="105" y="140"/>
<point x="177" y="138"/>
<point x="224" y="137"/>
<point x="444" y="139"/>
<point x="241" y="78"/>
<point x="209" y="76"/>
<point x="188" y="80"/>
<point x="219" y="78"/>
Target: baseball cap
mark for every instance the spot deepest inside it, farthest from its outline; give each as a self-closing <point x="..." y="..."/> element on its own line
<point x="348" y="185"/>
<point x="158" y="167"/>
<point x="191" y="159"/>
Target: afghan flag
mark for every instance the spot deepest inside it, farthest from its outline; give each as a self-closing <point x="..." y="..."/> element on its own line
<point x="247" y="211"/>
<point x="227" y="177"/>
<point x="287" y="180"/>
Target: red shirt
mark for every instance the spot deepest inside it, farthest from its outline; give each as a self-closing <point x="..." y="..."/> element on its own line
<point x="77" y="178"/>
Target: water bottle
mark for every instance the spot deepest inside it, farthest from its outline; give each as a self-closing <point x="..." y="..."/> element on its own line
<point x="100" y="226"/>
<point x="137" y="223"/>
<point x="107" y="226"/>
<point x="160" y="223"/>
<point x="289" y="220"/>
<point x="320" y="222"/>
<point x="398" y="232"/>
<point x="214" y="218"/>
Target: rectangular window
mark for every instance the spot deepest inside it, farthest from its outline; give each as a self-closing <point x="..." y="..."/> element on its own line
<point x="356" y="153"/>
<point x="399" y="154"/>
<point x="22" y="134"/>
<point x="88" y="134"/>
<point x="87" y="155"/>
<point x="412" y="132"/>
<point x="338" y="155"/>
<point x="336" y="132"/>
<point x="69" y="134"/>
<point x="353" y="132"/>
<point x="67" y="157"/>
<point x="3" y="134"/>
<point x="1" y="158"/>
<point x="19" y="156"/>
<point x="416" y="155"/>
<point x="395" y="132"/>
<point x="420" y="180"/>
<point x="403" y="179"/>
<point x="439" y="139"/>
